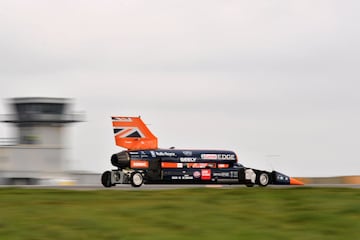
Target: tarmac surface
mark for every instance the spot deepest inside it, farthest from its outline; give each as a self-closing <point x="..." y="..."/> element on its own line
<point x="172" y="186"/>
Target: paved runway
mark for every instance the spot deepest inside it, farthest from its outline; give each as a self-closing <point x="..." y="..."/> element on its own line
<point x="175" y="186"/>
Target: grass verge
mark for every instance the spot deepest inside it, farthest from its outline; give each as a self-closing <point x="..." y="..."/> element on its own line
<point x="240" y="213"/>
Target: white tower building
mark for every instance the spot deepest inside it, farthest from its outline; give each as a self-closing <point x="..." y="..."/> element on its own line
<point x="38" y="153"/>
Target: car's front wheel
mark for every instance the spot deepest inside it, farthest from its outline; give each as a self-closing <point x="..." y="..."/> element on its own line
<point x="136" y="179"/>
<point x="263" y="179"/>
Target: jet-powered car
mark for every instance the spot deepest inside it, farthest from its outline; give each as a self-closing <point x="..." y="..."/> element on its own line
<point x="144" y="162"/>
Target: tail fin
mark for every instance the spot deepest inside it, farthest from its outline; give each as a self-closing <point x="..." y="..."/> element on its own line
<point x="133" y="134"/>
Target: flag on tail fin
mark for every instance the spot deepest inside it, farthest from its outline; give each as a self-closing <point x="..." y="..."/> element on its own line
<point x="133" y="134"/>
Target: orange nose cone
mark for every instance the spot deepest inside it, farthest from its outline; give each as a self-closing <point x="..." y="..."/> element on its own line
<point x="294" y="181"/>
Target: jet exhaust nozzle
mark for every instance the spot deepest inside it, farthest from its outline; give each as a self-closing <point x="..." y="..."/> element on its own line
<point x="121" y="160"/>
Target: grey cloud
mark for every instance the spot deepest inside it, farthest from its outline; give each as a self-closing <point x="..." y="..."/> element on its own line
<point x="234" y="36"/>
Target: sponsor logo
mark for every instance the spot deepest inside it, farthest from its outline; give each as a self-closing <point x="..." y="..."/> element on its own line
<point x="221" y="174"/>
<point x="226" y="156"/>
<point x="187" y="153"/>
<point x="187" y="177"/>
<point x="121" y="119"/>
<point x="201" y="165"/>
<point x="133" y="153"/>
<point x="205" y="174"/>
<point x="171" y="165"/>
<point x="165" y="154"/>
<point x="152" y="153"/>
<point x="231" y="175"/>
<point x="209" y="156"/>
<point x="234" y="174"/>
<point x="197" y="174"/>
<point x="139" y="164"/>
<point x="223" y="165"/>
<point x="187" y="159"/>
<point x="218" y="156"/>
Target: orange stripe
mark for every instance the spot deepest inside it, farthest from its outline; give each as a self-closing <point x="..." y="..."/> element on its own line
<point x="223" y="165"/>
<point x="171" y="165"/>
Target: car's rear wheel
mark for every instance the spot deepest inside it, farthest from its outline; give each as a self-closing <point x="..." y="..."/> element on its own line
<point x="106" y="179"/>
<point x="263" y="179"/>
<point x="136" y="179"/>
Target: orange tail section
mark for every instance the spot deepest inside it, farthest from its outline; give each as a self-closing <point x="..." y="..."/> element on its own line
<point x="133" y="134"/>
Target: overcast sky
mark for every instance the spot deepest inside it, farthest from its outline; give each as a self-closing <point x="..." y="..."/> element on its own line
<point x="275" y="81"/>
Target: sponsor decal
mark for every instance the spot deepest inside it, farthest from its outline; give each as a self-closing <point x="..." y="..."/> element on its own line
<point x="218" y="156"/>
<point x="205" y="174"/>
<point x="165" y="154"/>
<point x="209" y="156"/>
<point x="171" y="165"/>
<point x="223" y="165"/>
<point x="197" y="174"/>
<point x="133" y="153"/>
<point x="202" y="165"/>
<point x="186" y="177"/>
<point x="234" y="174"/>
<point x="144" y="154"/>
<point x="187" y="153"/>
<point x="226" y="156"/>
<point x="231" y="174"/>
<point x="187" y="159"/>
<point x="153" y="154"/>
<point x="121" y="119"/>
<point x="221" y="174"/>
<point x="139" y="164"/>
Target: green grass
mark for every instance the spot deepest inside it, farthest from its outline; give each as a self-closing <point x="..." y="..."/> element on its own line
<point x="257" y="213"/>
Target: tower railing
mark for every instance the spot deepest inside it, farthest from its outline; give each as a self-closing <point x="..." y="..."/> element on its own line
<point x="42" y="117"/>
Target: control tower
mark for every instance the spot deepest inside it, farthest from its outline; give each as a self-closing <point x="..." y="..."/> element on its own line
<point x="38" y="152"/>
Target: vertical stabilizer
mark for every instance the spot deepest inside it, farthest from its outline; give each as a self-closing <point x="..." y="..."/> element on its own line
<point x="133" y="134"/>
